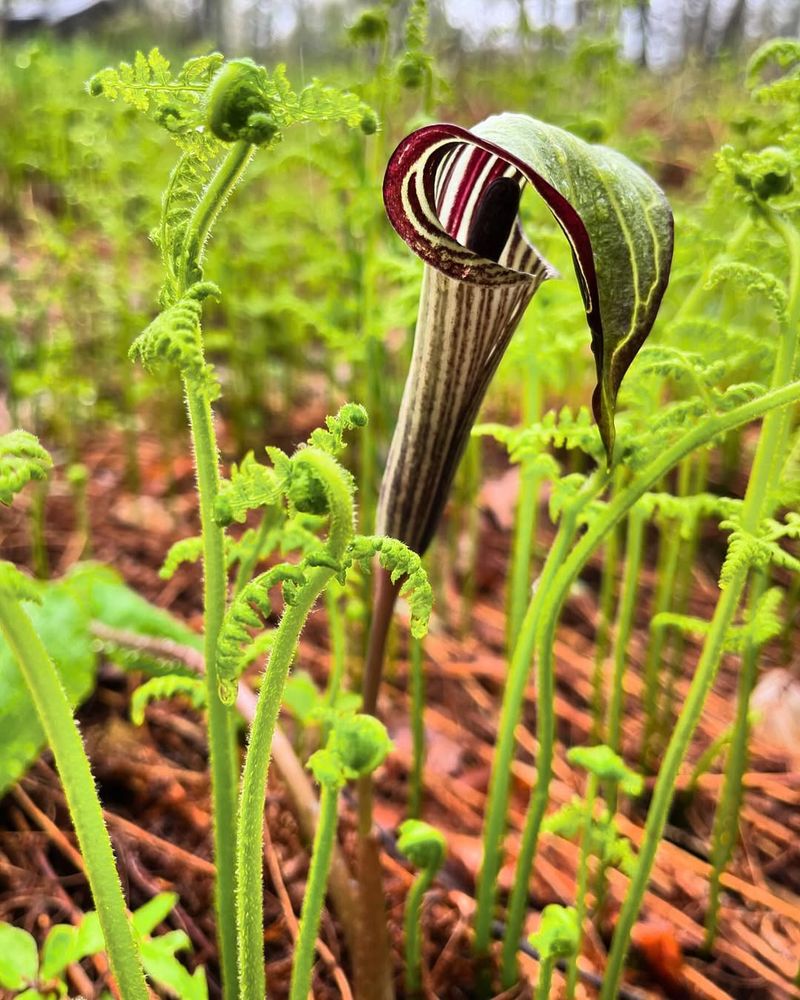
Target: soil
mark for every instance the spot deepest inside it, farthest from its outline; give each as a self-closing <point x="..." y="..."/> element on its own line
<point x="154" y="785"/>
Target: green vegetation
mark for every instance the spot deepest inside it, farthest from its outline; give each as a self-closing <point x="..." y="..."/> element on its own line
<point x="272" y="291"/>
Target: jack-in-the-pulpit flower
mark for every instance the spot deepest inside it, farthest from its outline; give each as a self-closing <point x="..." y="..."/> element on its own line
<point x="453" y="195"/>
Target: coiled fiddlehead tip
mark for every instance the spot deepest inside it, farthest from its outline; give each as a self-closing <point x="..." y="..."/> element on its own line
<point x="238" y="108"/>
<point x="559" y="934"/>
<point x="361" y="742"/>
<point x="423" y="845"/>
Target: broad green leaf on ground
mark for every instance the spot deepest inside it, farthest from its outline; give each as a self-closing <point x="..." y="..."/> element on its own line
<point x="90" y="593"/>
<point x="63" y="624"/>
<point x="19" y="957"/>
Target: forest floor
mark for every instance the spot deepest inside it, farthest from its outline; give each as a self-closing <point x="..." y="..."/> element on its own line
<point x="154" y="782"/>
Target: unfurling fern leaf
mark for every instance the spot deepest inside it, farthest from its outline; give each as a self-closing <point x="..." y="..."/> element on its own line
<point x="762" y="625"/>
<point x="162" y="688"/>
<point x="174" y="338"/>
<point x="250" y="610"/>
<point x="177" y="103"/>
<point x="688" y="510"/>
<point x="562" y="429"/>
<point x="785" y="53"/>
<point x="186" y="183"/>
<point x="761" y="549"/>
<point x="251" y="486"/>
<point x="186" y="550"/>
<point x="753" y="279"/>
<point x="16" y="584"/>
<point x="331" y="437"/>
<point x="22" y="459"/>
<point x="402" y="564"/>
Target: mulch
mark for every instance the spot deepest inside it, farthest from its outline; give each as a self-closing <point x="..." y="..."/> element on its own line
<point x="154" y="784"/>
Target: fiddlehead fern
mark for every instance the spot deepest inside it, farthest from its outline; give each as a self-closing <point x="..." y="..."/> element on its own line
<point x="250" y="610"/>
<point x="238" y="106"/>
<point x="174" y="338"/>
<point x="403" y="564"/>
<point x="22" y="459"/>
<point x="163" y="688"/>
<point x="250" y="486"/>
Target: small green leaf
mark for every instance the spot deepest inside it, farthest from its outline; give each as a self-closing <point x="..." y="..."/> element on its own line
<point x="606" y="765"/>
<point x="19" y="957"/>
<point x="90" y="936"/>
<point x="59" y="949"/>
<point x="161" y="965"/>
<point x="154" y="912"/>
<point x="302" y="697"/>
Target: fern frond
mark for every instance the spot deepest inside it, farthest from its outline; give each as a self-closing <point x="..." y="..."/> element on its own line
<point x="402" y="564"/>
<point x="331" y="437"/>
<point x="759" y="550"/>
<point x="785" y="53"/>
<point x="688" y="510"/>
<point x="174" y="338"/>
<point x="187" y="181"/>
<point x="563" y="429"/>
<point x="163" y="688"/>
<point x="764" y="624"/>
<point x="250" y="610"/>
<point x="753" y="279"/>
<point x="22" y="459"/>
<point x="15" y="584"/>
<point x="177" y="103"/>
<point x="315" y="103"/>
<point x="250" y="486"/>
<point x="186" y="550"/>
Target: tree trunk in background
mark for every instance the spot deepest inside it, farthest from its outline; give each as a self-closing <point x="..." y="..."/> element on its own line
<point x="217" y="25"/>
<point x="733" y="35"/>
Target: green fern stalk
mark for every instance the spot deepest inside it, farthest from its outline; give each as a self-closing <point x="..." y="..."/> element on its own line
<point x="338" y="630"/>
<point x="64" y="738"/>
<point x="314" y="896"/>
<point x="545" y="731"/>
<point x="582" y="886"/>
<point x="560" y="571"/>
<point x="250" y="832"/>
<point x="726" y="817"/>
<point x="525" y="521"/>
<point x="513" y="695"/>
<point x="667" y="569"/>
<point x="627" y="608"/>
<point x="697" y="474"/>
<point x="766" y="468"/>
<point x="417" y="682"/>
<point x="605" y="611"/>
<point x="221" y="721"/>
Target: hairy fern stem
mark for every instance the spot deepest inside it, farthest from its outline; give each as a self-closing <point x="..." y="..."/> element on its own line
<point x="560" y="571"/>
<point x="221" y="724"/>
<point x="64" y="738"/>
<point x="763" y="475"/>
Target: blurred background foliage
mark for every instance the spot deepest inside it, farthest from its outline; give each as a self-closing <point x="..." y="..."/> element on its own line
<point x="319" y="296"/>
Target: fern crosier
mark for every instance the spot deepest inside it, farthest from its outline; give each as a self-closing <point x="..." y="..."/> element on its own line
<point x="174" y="338"/>
<point x="250" y="610"/>
<point x="22" y="459"/>
<point x="163" y="688"/>
<point x="759" y="549"/>
<point x="402" y="564"/>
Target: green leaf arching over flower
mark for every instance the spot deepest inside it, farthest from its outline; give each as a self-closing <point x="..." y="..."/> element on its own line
<point x="617" y="220"/>
<point x="453" y="196"/>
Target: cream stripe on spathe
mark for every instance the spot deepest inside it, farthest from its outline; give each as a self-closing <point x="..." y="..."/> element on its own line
<point x="462" y="332"/>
